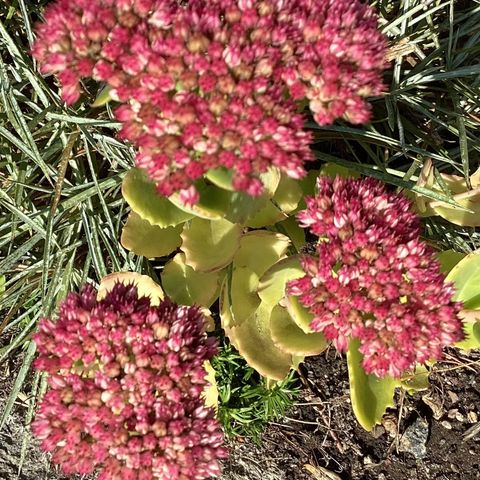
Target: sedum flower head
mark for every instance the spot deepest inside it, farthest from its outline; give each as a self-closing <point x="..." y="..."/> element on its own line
<point x="373" y="278"/>
<point x="207" y="84"/>
<point x="126" y="382"/>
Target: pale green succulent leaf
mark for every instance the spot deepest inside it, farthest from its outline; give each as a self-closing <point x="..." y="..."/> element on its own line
<point x="288" y="194"/>
<point x="369" y="394"/>
<point x="260" y="249"/>
<point x="294" y="232"/>
<point x="290" y="338"/>
<point x="103" y="97"/>
<point x="417" y="381"/>
<point x="210" y="245"/>
<point x="271" y="288"/>
<point x="142" y="196"/>
<point x="448" y="259"/>
<point x="142" y="238"/>
<point x="471" y="328"/>
<point x="242" y="296"/>
<point x="300" y="315"/>
<point x="252" y="338"/>
<point x="465" y="275"/>
<point x="185" y="286"/>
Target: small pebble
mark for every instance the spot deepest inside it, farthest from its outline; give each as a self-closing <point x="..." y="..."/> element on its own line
<point x="472" y="417"/>
<point x="454" y="468"/>
<point x="382" y="476"/>
<point x="452" y="413"/>
<point x="453" y="396"/>
<point x="446" y="425"/>
<point x="459" y="416"/>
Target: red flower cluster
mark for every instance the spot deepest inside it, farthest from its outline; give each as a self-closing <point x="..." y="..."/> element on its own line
<point x="373" y="278"/>
<point x="126" y="382"/>
<point x="215" y="82"/>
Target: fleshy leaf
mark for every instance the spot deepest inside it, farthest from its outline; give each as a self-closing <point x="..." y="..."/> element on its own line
<point x="145" y="285"/>
<point x="269" y="214"/>
<point x="471" y="327"/>
<point x="271" y="288"/>
<point x="288" y="194"/>
<point x="210" y="393"/>
<point x="293" y="231"/>
<point x="260" y="249"/>
<point x="333" y="170"/>
<point x="300" y="315"/>
<point x="252" y="338"/>
<point x="141" y="194"/>
<point x="143" y="238"/>
<point x="448" y="259"/>
<point x="210" y="245"/>
<point x="417" y="381"/>
<point x="370" y="395"/>
<point x="465" y="197"/>
<point x="221" y="177"/>
<point x="185" y="286"/>
<point x="239" y="296"/>
<point x="290" y="338"/>
<point x="466" y="277"/>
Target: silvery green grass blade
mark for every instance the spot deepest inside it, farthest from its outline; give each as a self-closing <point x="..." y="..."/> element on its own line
<point x="60" y="200"/>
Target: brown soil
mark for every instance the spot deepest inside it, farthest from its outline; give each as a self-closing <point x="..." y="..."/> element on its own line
<point x="321" y="440"/>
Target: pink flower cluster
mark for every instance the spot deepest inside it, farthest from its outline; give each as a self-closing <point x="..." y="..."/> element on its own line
<point x="373" y="278"/>
<point x="216" y="83"/>
<point x="126" y="382"/>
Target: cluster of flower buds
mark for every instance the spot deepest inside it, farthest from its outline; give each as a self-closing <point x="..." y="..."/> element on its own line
<point x="373" y="278"/>
<point x="217" y="83"/>
<point x="126" y="383"/>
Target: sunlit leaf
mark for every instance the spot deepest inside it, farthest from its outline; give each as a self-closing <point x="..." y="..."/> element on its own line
<point x="145" y="285"/>
<point x="465" y="275"/>
<point x="143" y="238"/>
<point x="417" y="381"/>
<point x="142" y="196"/>
<point x="242" y="297"/>
<point x="221" y="177"/>
<point x="293" y="231"/>
<point x="260" y="249"/>
<point x="185" y="286"/>
<point x="471" y="328"/>
<point x="288" y="194"/>
<point x="290" y="338"/>
<point x="333" y="170"/>
<point x="210" y="393"/>
<point x="271" y="288"/>
<point x="370" y="395"/>
<point x="252" y="338"/>
<point x="300" y="315"/>
<point x="269" y="214"/>
<point x="210" y="244"/>
<point x="448" y="259"/>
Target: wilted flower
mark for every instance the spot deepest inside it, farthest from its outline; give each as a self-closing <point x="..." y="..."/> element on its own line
<point x="373" y="278"/>
<point x="126" y="382"/>
<point x="215" y="83"/>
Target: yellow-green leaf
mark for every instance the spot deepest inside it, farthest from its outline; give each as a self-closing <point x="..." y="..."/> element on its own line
<point x="103" y="97"/>
<point x="143" y="238"/>
<point x="145" y="285"/>
<point x="142" y="196"/>
<point x="252" y="338"/>
<point x="210" y="245"/>
<point x="300" y="315"/>
<point x="271" y="288"/>
<point x="448" y="259"/>
<point x="210" y="393"/>
<point x="369" y="394"/>
<point x="288" y="194"/>
<point x="465" y="275"/>
<point x="185" y="286"/>
<point x="471" y="328"/>
<point x="416" y="381"/>
<point x="290" y="338"/>
<point x="260" y="249"/>
<point x="294" y="232"/>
